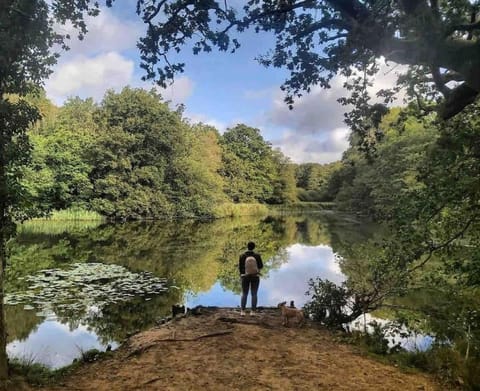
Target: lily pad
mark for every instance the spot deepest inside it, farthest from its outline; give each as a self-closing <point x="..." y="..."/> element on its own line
<point x="84" y="286"/>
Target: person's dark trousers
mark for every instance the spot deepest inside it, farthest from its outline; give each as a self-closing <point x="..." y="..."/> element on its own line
<point x="250" y="282"/>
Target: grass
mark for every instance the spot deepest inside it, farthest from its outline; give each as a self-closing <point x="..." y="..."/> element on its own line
<point x="250" y="209"/>
<point x="236" y="210"/>
<point x="60" y="221"/>
<point x="302" y="205"/>
<point x="25" y="369"/>
<point x="75" y="214"/>
<point x="443" y="362"/>
<point x="33" y="373"/>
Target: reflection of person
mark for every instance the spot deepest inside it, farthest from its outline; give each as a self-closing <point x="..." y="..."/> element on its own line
<point x="249" y="265"/>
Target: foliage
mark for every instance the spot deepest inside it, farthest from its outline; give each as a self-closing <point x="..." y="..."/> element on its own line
<point x="236" y="210"/>
<point x="331" y="304"/>
<point x="374" y="184"/>
<point x="445" y="363"/>
<point x="60" y="148"/>
<point x="316" y="40"/>
<point x="248" y="168"/>
<point x="422" y="183"/>
<point x="199" y="185"/>
<point x="314" y="179"/>
<point x="132" y="157"/>
<point x="72" y="214"/>
<point x="40" y="375"/>
<point x="33" y="373"/>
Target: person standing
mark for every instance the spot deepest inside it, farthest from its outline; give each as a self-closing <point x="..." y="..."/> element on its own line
<point x="249" y="266"/>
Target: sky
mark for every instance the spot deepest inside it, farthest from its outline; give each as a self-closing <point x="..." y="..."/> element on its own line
<point x="217" y="88"/>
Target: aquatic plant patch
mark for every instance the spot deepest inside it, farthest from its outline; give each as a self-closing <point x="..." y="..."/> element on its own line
<point x="84" y="287"/>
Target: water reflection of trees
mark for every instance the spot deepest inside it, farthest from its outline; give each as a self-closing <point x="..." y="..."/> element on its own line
<point x="192" y="255"/>
<point x="20" y="323"/>
<point x="428" y="301"/>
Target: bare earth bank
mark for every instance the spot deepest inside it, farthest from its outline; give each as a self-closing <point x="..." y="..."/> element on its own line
<point x="219" y="350"/>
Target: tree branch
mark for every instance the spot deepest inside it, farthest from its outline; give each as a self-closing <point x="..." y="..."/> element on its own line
<point x="452" y="76"/>
<point x="155" y="13"/>
<point x="465" y="27"/>
<point x="439" y="82"/>
<point x="352" y="9"/>
<point x="443" y="245"/>
<point x="459" y="98"/>
<point x="435" y="9"/>
<point x="339" y="24"/>
<point x="411" y="6"/>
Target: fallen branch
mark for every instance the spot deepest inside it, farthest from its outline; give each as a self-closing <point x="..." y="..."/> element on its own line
<point x="144" y="348"/>
<point x="244" y="321"/>
<point x="151" y="381"/>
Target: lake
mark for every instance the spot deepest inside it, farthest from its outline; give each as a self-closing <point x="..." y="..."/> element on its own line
<point x="73" y="286"/>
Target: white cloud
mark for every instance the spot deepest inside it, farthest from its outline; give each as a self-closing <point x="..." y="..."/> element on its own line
<point x="310" y="148"/>
<point x="89" y="77"/>
<point x="305" y="262"/>
<point x="314" y="113"/>
<point x="386" y="78"/>
<point x="177" y="92"/>
<point x="106" y="32"/>
<point x="319" y="111"/>
<point x="314" y="130"/>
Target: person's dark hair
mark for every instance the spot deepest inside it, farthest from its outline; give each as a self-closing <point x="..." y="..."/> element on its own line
<point x="250" y="246"/>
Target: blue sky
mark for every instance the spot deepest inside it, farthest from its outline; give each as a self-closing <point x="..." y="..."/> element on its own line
<point x="220" y="89"/>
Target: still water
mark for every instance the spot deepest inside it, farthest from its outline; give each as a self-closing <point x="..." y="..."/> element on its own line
<point x="73" y="287"/>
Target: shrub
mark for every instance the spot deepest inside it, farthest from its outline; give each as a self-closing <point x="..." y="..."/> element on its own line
<point x="328" y="302"/>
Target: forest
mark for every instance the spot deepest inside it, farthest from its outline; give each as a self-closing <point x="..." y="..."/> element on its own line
<point x="412" y="166"/>
<point x="132" y="157"/>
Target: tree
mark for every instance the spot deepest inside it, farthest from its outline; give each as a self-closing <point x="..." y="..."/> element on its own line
<point x="134" y="161"/>
<point x="199" y="185"/>
<point x="26" y="38"/>
<point x="313" y="180"/>
<point x="248" y="165"/>
<point x="58" y="177"/>
<point x="317" y="39"/>
<point x="284" y="189"/>
<point x="423" y="185"/>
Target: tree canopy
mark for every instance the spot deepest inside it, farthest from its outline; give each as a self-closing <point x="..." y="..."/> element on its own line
<point x="318" y="39"/>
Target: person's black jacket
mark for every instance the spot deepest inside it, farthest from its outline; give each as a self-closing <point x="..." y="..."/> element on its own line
<point x="241" y="261"/>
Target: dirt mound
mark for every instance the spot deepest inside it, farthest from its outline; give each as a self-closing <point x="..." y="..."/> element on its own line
<point x="219" y="350"/>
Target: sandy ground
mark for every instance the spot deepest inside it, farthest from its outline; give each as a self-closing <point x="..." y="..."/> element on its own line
<point x="219" y="350"/>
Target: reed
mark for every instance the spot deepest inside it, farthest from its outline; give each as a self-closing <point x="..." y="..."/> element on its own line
<point x="74" y="214"/>
<point x="236" y="210"/>
<point x="60" y="221"/>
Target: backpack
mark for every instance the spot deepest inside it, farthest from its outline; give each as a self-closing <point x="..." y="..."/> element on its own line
<point x="251" y="267"/>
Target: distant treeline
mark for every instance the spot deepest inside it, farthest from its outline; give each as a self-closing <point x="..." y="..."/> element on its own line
<point x="131" y="156"/>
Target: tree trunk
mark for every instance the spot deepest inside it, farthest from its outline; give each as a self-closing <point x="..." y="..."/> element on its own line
<point x="4" y="226"/>
<point x="3" y="331"/>
<point x="467" y="353"/>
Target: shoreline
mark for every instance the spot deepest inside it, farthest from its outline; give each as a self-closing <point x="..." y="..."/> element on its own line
<point x="214" y="348"/>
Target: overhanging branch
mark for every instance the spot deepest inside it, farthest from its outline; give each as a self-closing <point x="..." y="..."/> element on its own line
<point x="463" y="27"/>
<point x="458" y="99"/>
<point x="439" y="81"/>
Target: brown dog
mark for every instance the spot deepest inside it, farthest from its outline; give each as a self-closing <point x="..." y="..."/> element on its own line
<point x="291" y="313"/>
